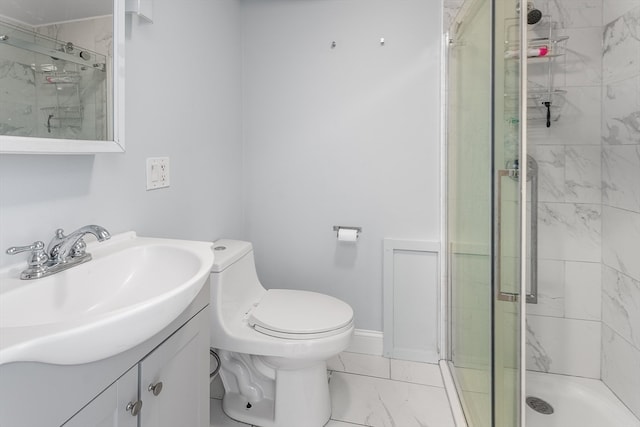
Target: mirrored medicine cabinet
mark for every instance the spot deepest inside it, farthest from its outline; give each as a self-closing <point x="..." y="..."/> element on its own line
<point x="62" y="76"/>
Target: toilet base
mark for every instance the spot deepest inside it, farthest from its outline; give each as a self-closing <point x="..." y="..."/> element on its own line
<point x="301" y="399"/>
<point x="235" y="406"/>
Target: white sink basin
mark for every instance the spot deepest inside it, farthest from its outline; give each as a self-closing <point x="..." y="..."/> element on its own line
<point x="131" y="289"/>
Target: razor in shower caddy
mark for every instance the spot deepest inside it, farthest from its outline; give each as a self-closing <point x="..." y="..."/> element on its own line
<point x="544" y="100"/>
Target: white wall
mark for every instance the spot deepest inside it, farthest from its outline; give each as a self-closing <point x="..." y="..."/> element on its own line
<point x="343" y="136"/>
<point x="182" y="101"/>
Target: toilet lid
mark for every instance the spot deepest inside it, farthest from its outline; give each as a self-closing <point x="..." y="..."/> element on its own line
<point x="282" y="311"/>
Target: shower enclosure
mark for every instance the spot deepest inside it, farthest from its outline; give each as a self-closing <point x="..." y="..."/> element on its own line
<point x="564" y="230"/>
<point x="483" y="213"/>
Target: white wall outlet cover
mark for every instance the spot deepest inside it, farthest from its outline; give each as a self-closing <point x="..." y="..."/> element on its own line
<point x="157" y="172"/>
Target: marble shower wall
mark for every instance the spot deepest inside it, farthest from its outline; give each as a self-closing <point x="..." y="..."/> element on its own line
<point x="621" y="201"/>
<point x="564" y="329"/>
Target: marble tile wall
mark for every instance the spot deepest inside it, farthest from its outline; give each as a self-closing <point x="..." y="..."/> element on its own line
<point x="564" y="328"/>
<point x="620" y="132"/>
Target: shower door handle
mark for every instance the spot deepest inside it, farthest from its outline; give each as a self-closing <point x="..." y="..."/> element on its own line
<point x="532" y="297"/>
<point x="501" y="295"/>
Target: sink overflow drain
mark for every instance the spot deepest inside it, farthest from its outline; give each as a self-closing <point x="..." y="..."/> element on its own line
<point x="539" y="405"/>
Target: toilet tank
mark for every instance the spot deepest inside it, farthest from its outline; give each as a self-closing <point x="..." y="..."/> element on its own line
<point x="228" y="252"/>
<point x="234" y="282"/>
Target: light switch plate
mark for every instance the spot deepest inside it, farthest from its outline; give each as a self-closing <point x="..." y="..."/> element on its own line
<point x="157" y="172"/>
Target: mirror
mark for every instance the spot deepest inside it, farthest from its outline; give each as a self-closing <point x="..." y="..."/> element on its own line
<point x="62" y="76"/>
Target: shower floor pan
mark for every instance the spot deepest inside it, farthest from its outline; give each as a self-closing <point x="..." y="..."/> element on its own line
<point x="577" y="402"/>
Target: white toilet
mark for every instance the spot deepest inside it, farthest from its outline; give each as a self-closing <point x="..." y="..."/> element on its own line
<point x="273" y="344"/>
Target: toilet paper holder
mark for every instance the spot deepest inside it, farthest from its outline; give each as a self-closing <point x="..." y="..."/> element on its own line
<point x="337" y="228"/>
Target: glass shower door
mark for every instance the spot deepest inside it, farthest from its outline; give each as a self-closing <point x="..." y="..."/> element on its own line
<point x="469" y="207"/>
<point x="508" y="216"/>
<point x="484" y="212"/>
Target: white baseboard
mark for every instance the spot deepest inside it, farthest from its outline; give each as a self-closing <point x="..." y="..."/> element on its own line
<point x="366" y="342"/>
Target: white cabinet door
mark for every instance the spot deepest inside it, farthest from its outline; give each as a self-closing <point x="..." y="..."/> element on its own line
<point x="174" y="380"/>
<point x="109" y="408"/>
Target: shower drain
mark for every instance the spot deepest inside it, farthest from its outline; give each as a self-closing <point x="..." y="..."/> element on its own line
<point x="539" y="405"/>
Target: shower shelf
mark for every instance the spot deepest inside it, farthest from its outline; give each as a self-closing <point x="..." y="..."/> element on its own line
<point x="544" y="101"/>
<point x="62" y="78"/>
<point x="555" y="46"/>
<point x="536" y="99"/>
<point x="64" y="109"/>
<point x="69" y="113"/>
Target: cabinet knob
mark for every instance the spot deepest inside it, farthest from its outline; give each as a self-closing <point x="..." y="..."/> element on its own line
<point x="155" y="388"/>
<point x="134" y="407"/>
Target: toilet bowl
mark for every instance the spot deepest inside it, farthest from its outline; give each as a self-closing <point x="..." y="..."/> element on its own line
<point x="273" y="344"/>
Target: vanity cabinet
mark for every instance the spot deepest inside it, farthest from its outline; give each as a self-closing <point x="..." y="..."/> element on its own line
<point x="174" y="380"/>
<point x="109" y="409"/>
<point x="168" y="388"/>
<point x="98" y="394"/>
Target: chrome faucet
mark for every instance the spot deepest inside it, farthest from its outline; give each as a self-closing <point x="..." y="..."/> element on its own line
<point x="62" y="247"/>
<point x="63" y="252"/>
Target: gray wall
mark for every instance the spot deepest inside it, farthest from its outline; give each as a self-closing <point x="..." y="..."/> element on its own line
<point x="329" y="136"/>
<point x="343" y="136"/>
<point x="182" y="101"/>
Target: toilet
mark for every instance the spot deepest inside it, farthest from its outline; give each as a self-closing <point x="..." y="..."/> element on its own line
<point x="273" y="344"/>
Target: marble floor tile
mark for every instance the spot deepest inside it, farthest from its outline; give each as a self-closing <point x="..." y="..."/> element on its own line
<point x="334" y="423"/>
<point x="416" y="372"/>
<point x="362" y="394"/>
<point x="384" y="403"/>
<point x="363" y="364"/>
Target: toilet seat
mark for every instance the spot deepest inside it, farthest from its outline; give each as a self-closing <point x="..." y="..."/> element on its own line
<point x="292" y="314"/>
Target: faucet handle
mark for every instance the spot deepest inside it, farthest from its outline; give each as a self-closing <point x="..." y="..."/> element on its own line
<point x="79" y="248"/>
<point x="36" y="261"/>
<point x="35" y="246"/>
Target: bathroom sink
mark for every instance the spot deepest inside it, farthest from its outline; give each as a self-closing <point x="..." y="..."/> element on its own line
<point x="131" y="289"/>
